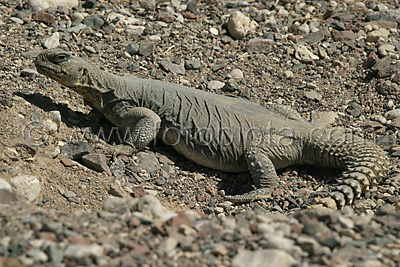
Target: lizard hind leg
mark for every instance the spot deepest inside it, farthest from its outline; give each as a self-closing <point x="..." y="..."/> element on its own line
<point x="264" y="177"/>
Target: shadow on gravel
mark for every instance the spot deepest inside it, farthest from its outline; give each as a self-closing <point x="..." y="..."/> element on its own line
<point x="45" y="103"/>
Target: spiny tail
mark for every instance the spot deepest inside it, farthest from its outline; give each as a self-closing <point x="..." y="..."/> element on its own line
<point x="363" y="162"/>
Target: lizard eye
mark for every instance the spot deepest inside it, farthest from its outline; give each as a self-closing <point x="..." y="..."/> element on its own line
<point x="60" y="58"/>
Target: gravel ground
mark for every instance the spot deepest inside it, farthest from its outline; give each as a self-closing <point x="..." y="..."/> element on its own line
<point x="65" y="203"/>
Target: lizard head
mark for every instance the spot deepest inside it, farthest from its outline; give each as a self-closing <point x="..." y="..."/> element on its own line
<point x="66" y="69"/>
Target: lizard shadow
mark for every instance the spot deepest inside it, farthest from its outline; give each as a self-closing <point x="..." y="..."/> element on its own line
<point x="291" y="178"/>
<point x="68" y="116"/>
<point x="94" y="119"/>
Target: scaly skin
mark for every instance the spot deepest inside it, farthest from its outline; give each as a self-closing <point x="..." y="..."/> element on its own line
<point x="219" y="132"/>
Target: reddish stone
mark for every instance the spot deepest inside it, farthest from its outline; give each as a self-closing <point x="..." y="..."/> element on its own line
<point x="138" y="191"/>
<point x="201" y="198"/>
<point x="382" y="24"/>
<point x="68" y="162"/>
<point x="97" y="162"/>
<point x="371" y="124"/>
<point x="189" y="15"/>
<point x="259" y="45"/>
<point x="341" y="72"/>
<point x="43" y="17"/>
<point x="176" y="221"/>
<point x="79" y="240"/>
<point x="344" y="36"/>
<point x="139" y="249"/>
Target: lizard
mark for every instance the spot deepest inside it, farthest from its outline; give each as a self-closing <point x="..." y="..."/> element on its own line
<point x="225" y="133"/>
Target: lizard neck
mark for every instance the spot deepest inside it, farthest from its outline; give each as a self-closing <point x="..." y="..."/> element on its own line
<point x="94" y="83"/>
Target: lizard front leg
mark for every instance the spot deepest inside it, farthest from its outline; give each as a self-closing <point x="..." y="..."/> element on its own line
<point x="264" y="176"/>
<point x="142" y="126"/>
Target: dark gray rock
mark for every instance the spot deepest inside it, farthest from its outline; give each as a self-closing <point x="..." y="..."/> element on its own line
<point x="230" y="86"/>
<point x="148" y="162"/>
<point x="388" y="14"/>
<point x="313" y="38"/>
<point x="192" y="64"/>
<point x="172" y="67"/>
<point x="93" y="22"/>
<point x="89" y="4"/>
<point x="384" y="67"/>
<point x="76" y="150"/>
<point x="132" y="49"/>
<point x="146" y="48"/>
<point x="160" y="181"/>
<point x="354" y="109"/>
<point x="338" y="26"/>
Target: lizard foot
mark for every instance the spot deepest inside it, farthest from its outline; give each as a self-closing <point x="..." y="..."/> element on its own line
<point x="115" y="150"/>
<point x="126" y="150"/>
<point x="253" y="195"/>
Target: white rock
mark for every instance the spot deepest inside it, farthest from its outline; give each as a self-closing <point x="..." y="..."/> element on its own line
<point x="4" y="185"/>
<point x="313" y="95"/>
<point x="239" y="25"/>
<point x="53" y="41"/>
<point x="11" y="153"/>
<point x="78" y="16"/>
<point x="305" y="29"/>
<point x="55" y="116"/>
<point x="303" y="54"/>
<point x="38" y="255"/>
<point x="277" y="242"/>
<point x="49" y="126"/>
<point x="134" y="30"/>
<point x="180" y="18"/>
<point x="80" y="251"/>
<point x="288" y="74"/>
<point x="43" y="4"/>
<point x="26" y="185"/>
<point x="265" y="228"/>
<point x="215" y="85"/>
<point x="16" y="20"/>
<point x="214" y="31"/>
<point x="236" y="74"/>
<point x="152" y="207"/>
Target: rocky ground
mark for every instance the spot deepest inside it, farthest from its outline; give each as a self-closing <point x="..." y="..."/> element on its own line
<point x="66" y="203"/>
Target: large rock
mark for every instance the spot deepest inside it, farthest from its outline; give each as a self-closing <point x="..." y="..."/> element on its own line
<point x="43" y="4"/>
<point x="239" y="25"/>
<point x="27" y="185"/>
